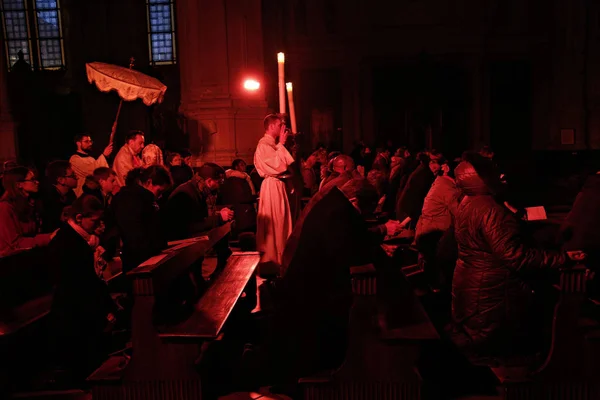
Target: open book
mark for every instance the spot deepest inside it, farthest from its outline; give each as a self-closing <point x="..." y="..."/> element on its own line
<point x="536" y="213"/>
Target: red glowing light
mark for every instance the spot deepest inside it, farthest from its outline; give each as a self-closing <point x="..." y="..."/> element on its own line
<point x="251" y="84"/>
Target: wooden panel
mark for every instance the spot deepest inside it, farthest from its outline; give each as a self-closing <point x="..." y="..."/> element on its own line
<point x="401" y="315"/>
<point x="175" y="262"/>
<point x="213" y="309"/>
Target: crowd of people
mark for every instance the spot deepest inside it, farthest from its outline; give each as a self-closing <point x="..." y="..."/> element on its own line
<point x="87" y="212"/>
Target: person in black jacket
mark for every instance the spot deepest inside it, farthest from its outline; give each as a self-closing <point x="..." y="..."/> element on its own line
<point x="137" y="215"/>
<point x="491" y="301"/>
<point x="192" y="207"/>
<point x="82" y="309"/>
<point x="314" y="294"/>
<point x="410" y="202"/>
<point x="192" y="210"/>
<point x="58" y="194"/>
<point x="102" y="184"/>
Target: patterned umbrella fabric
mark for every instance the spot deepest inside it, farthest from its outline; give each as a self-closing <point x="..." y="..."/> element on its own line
<point x="128" y="83"/>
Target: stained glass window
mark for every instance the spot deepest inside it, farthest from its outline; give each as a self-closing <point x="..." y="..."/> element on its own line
<point x="49" y="34"/>
<point x="161" y="32"/>
<point x="41" y="42"/>
<point x="16" y="31"/>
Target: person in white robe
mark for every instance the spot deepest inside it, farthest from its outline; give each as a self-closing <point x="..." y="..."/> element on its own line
<point x="83" y="163"/>
<point x="128" y="156"/>
<point x="274" y="220"/>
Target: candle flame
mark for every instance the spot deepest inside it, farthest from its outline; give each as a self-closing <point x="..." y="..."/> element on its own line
<point x="280" y="57"/>
<point x="288" y="86"/>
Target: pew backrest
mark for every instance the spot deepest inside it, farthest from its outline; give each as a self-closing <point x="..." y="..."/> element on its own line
<point x="26" y="288"/>
<point x="214" y="307"/>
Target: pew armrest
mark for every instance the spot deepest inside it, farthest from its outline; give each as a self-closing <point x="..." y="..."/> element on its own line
<point x="215" y="306"/>
<point x="26" y="314"/>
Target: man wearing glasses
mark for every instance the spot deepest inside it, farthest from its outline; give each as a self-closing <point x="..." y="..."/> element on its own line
<point x="83" y="163"/>
<point x="58" y="195"/>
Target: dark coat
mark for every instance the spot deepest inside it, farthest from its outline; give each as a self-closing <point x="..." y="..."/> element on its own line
<point x="410" y="202"/>
<point x="489" y="296"/>
<point x="81" y="301"/>
<point x="181" y="174"/>
<point x="53" y="205"/>
<point x="236" y="192"/>
<point x="138" y="221"/>
<point x="398" y="179"/>
<point x="314" y="295"/>
<point x="187" y="212"/>
<point x="110" y="238"/>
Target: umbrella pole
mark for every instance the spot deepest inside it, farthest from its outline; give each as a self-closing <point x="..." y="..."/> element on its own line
<point x="114" y="127"/>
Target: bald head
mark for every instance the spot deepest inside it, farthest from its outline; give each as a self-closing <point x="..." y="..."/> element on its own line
<point x="343" y="163"/>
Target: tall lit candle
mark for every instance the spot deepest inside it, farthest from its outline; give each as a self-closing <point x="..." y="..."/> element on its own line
<point x="281" y="73"/>
<point x="290" y="93"/>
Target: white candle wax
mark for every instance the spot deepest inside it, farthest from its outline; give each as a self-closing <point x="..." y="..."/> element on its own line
<point x="290" y="93"/>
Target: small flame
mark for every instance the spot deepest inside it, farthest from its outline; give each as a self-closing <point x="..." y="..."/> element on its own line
<point x="288" y="86"/>
<point x="280" y="57"/>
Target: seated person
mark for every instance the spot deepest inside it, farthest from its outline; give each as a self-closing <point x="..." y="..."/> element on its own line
<point x="580" y="228"/>
<point x="238" y="170"/>
<point x="314" y="295"/>
<point x="436" y="217"/>
<point x="137" y="216"/>
<point x="343" y="170"/>
<point x="18" y="223"/>
<point x="191" y="208"/>
<point x="491" y="302"/>
<point x="82" y="309"/>
<point x="102" y="184"/>
<point x="410" y="202"/>
<point x="58" y="194"/>
<point x="237" y="192"/>
<point x="309" y="175"/>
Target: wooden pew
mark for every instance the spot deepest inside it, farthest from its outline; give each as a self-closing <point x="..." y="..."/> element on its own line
<point x="387" y="334"/>
<point x="571" y="367"/>
<point x="165" y="356"/>
<point x="26" y="286"/>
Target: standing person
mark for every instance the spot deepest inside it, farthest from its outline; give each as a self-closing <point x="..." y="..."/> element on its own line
<point x="83" y="163"/>
<point x="274" y="221"/>
<point x="128" y="156"/>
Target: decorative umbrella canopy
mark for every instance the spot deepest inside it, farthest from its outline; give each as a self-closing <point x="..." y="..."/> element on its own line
<point x="128" y="83"/>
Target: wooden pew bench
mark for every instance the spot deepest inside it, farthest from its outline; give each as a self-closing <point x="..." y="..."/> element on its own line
<point x="570" y="369"/>
<point x="216" y="304"/>
<point x="165" y="357"/>
<point x="387" y="334"/>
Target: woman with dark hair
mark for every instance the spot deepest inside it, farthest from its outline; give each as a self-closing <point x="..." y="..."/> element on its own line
<point x="18" y="224"/>
<point x="82" y="309"/>
<point x="136" y="212"/>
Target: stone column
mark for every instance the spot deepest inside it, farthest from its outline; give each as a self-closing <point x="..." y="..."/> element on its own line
<point x="8" y="143"/>
<point x="220" y="44"/>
